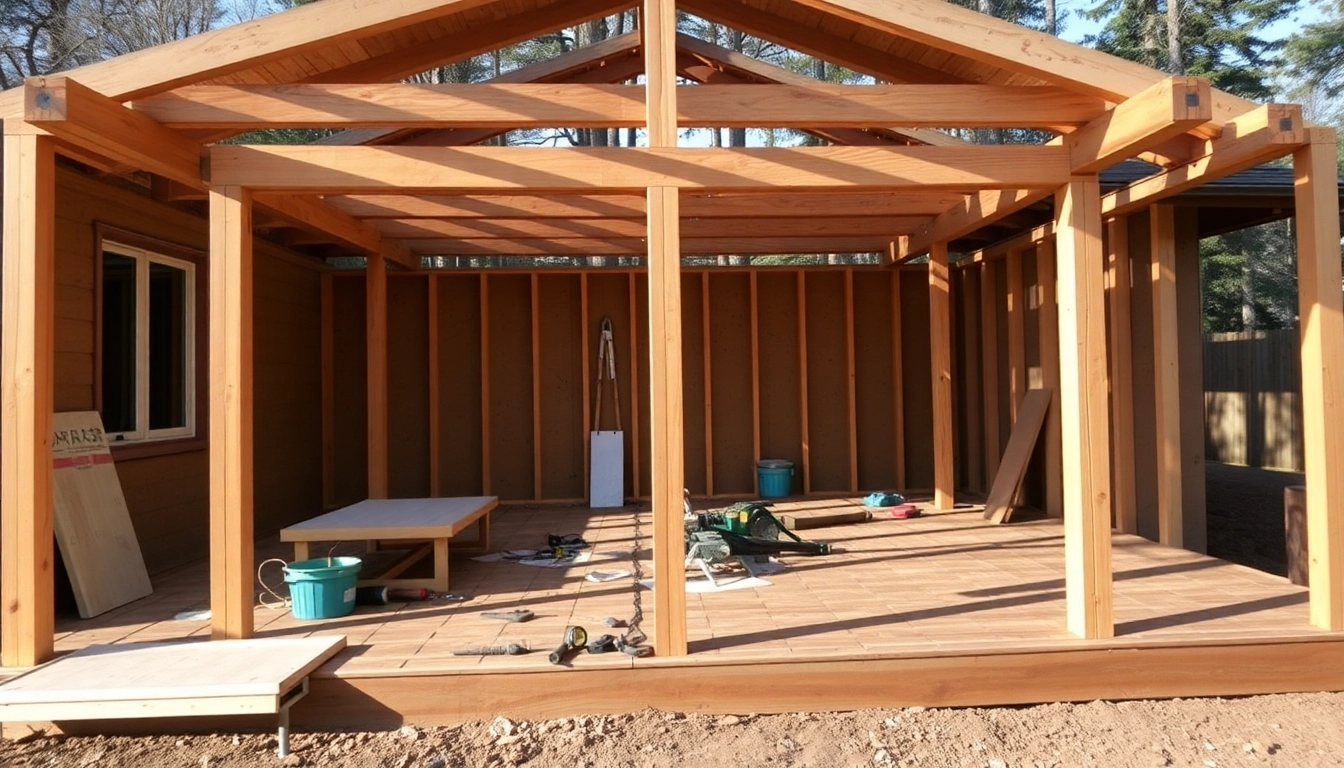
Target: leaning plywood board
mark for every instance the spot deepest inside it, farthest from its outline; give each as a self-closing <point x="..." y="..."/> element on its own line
<point x="93" y="527"/>
<point x="1013" y="467"/>
<point x="180" y="678"/>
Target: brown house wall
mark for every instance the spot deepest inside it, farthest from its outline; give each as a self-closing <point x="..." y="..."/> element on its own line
<point x="509" y="340"/>
<point x="168" y="495"/>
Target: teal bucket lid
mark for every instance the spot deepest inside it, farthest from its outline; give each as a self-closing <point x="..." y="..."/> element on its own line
<point x="774" y="464"/>
<point x="322" y="568"/>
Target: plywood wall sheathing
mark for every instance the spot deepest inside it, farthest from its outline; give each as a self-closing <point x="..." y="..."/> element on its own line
<point x="408" y="375"/>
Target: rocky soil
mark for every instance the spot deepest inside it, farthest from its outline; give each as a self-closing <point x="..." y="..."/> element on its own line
<point x="1301" y="731"/>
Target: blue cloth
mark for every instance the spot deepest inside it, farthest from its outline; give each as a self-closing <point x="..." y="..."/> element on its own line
<point x="883" y="499"/>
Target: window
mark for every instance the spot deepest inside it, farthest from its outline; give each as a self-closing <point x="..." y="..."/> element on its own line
<point x="148" y="322"/>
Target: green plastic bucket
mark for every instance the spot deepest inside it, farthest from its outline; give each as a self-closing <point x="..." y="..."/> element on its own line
<point x="322" y="588"/>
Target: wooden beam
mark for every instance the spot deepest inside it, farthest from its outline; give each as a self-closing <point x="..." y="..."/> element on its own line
<point x="775" y="205"/>
<point x="336" y="170"/>
<point x="898" y="379"/>
<point x="630" y="246"/>
<point x="219" y="52"/>
<point x="618" y="56"/>
<point x="27" y="386"/>
<point x="755" y="384"/>
<point x="976" y="211"/>
<point x="231" y="399"/>
<point x="804" y="428"/>
<point x="435" y="413"/>
<point x="851" y="379"/>
<point x="1011" y="47"/>
<point x="85" y="118"/>
<point x="1320" y="310"/>
<point x="1017" y="336"/>
<point x="1263" y="134"/>
<point x="328" y="322"/>
<point x="587" y="229"/>
<point x="1157" y="114"/>
<point x="989" y="368"/>
<point x="940" y="363"/>
<point x="1121" y="377"/>
<point x="708" y="382"/>
<point x="527" y="105"/>
<point x="487" y="480"/>
<point x="1166" y="376"/>
<point x="1081" y="401"/>
<point x="1024" y="241"/>
<point x="535" y="296"/>
<point x="375" y="309"/>
<point x="658" y="26"/>
<point x="1051" y="371"/>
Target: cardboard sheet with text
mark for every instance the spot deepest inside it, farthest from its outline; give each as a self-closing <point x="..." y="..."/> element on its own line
<point x="93" y="526"/>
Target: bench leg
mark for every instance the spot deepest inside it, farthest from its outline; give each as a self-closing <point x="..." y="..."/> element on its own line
<point x="440" y="565"/>
<point x="483" y="531"/>
<point x="282" y="734"/>
<point x="300" y="550"/>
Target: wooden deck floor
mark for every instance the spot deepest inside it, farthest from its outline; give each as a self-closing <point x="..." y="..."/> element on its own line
<point x="944" y="582"/>
<point x="940" y="610"/>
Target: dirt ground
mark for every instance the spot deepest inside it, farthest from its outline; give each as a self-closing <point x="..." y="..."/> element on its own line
<point x="1246" y="526"/>
<point x="1301" y="731"/>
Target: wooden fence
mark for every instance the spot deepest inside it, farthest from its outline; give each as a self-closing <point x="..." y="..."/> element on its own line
<point x="1253" y="399"/>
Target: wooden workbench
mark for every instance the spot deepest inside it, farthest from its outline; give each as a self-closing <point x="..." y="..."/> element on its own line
<point x="432" y="521"/>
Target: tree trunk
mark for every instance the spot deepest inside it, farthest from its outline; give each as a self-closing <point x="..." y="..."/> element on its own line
<point x="1175" y="64"/>
<point x="1051" y="18"/>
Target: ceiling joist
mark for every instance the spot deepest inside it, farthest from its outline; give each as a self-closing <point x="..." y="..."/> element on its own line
<point x="338" y="170"/>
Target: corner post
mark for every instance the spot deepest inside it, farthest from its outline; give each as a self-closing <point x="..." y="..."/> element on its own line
<point x="1082" y="405"/>
<point x="658" y="26"/>
<point x="27" y="557"/>
<point x="1321" y="313"/>
<point x="940" y="351"/>
<point x="231" y="490"/>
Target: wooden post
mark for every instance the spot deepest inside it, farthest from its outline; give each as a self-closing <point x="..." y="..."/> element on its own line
<point x="1320" y="310"/>
<point x="1166" y="376"/>
<point x="851" y="378"/>
<point x="1050" y="377"/>
<point x="989" y="368"/>
<point x="1122" y="377"/>
<point x="231" y="491"/>
<point x="897" y="378"/>
<point x="755" y="386"/>
<point x="969" y="376"/>
<point x="435" y="435"/>
<point x="635" y="444"/>
<point x="27" y="557"/>
<point x="705" y="336"/>
<point x="536" y="386"/>
<point x="940" y="352"/>
<point x="802" y="384"/>
<point x="328" y="391"/>
<point x="1017" y="336"/>
<point x="375" y="309"/>
<point x="584" y="353"/>
<point x="487" y="482"/>
<point x="1081" y="402"/>
<point x="658" y="27"/>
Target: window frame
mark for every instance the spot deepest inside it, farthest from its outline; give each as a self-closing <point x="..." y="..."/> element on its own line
<point x="132" y="244"/>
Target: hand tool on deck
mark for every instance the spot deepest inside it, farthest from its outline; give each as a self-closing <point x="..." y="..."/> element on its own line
<point x="512" y="649"/>
<point x="519" y="615"/>
<point x="575" y="638"/>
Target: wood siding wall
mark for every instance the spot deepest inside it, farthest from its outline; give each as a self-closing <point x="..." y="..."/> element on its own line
<point x="1253" y="398"/>
<point x="168" y="495"/>
<point x="497" y="357"/>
